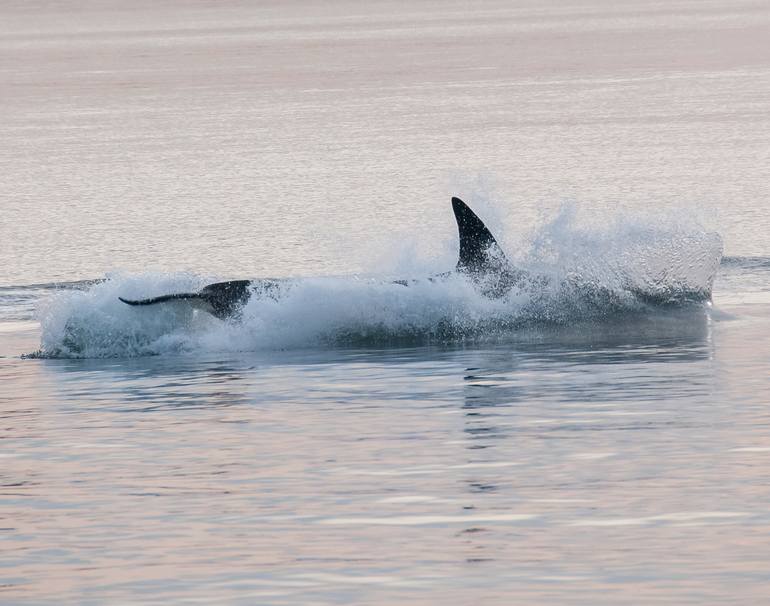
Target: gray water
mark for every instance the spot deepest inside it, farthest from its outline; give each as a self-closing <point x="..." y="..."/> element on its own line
<point x="358" y="442"/>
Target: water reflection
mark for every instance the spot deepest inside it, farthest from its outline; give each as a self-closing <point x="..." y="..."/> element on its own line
<point x="572" y="394"/>
<point x="284" y="469"/>
<point x="145" y="385"/>
<point x="654" y="358"/>
<point x="549" y="383"/>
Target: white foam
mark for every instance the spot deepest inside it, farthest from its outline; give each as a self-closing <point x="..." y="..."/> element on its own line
<point x="591" y="272"/>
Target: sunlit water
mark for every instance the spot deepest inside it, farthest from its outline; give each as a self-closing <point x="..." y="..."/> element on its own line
<point x="358" y="441"/>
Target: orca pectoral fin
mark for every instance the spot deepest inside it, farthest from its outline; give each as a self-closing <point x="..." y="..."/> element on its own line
<point x="223" y="299"/>
<point x="193" y="299"/>
<point x="161" y="299"/>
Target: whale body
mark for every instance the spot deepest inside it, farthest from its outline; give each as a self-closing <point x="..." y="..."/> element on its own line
<point x="480" y="259"/>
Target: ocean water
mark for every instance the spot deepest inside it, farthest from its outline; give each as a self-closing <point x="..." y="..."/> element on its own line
<point x="355" y="441"/>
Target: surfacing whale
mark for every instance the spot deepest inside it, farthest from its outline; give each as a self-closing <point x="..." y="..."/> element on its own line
<point x="480" y="259"/>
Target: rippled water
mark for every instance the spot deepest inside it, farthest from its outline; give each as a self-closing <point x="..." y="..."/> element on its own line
<point x="613" y="458"/>
<point x="359" y="442"/>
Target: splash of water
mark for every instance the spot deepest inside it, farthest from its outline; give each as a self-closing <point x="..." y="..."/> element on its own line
<point x="580" y="272"/>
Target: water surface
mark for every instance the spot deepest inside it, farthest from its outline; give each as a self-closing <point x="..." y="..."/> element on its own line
<point x="342" y="447"/>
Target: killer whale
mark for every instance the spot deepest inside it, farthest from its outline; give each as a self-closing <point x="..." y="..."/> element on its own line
<point x="480" y="258"/>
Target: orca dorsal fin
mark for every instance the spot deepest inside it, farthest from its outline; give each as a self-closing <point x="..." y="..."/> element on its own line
<point x="479" y="251"/>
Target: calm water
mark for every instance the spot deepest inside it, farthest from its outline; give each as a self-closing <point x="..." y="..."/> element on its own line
<point x="358" y="442"/>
